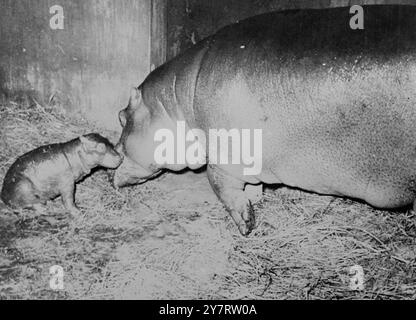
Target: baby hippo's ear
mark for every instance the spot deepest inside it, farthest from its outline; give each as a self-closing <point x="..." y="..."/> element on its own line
<point x="87" y="143"/>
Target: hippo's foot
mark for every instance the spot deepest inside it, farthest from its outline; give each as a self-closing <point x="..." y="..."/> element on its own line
<point x="231" y="193"/>
<point x="254" y="192"/>
<point x="68" y="193"/>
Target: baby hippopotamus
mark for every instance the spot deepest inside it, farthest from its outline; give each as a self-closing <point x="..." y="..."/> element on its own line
<point x="52" y="170"/>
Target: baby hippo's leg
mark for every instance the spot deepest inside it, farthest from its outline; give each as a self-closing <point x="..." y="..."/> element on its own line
<point x="27" y="196"/>
<point x="68" y="198"/>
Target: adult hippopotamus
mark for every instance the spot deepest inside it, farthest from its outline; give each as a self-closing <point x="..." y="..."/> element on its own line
<point x="336" y="106"/>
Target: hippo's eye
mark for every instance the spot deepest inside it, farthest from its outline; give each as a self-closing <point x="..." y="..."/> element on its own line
<point x="122" y="118"/>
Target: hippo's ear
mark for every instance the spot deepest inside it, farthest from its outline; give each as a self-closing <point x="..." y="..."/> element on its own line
<point x="134" y="97"/>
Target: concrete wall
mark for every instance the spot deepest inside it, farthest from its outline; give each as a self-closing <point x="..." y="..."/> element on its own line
<point x="192" y="20"/>
<point x="90" y="65"/>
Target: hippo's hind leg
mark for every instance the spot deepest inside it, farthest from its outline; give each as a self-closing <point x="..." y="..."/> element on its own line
<point x="26" y="196"/>
<point x="231" y="193"/>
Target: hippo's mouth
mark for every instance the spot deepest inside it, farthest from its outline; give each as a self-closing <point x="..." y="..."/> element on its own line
<point x="152" y="176"/>
<point x="131" y="173"/>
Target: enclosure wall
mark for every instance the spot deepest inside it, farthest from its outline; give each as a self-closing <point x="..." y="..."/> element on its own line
<point x="192" y="20"/>
<point x="89" y="66"/>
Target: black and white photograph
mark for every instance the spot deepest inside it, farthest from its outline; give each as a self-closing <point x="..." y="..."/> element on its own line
<point x="207" y="151"/>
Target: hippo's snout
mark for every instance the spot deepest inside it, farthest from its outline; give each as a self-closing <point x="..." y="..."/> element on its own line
<point x="129" y="172"/>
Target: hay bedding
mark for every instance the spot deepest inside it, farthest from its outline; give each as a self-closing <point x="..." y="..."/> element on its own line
<point x="170" y="238"/>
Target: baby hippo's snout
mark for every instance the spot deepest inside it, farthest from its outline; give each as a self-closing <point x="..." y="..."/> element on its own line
<point x="112" y="159"/>
<point x="100" y="152"/>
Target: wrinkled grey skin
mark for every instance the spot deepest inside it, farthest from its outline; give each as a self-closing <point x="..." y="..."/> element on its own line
<point x="337" y="106"/>
<point x="52" y="170"/>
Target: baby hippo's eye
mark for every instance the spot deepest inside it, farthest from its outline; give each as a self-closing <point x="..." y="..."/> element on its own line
<point x="101" y="147"/>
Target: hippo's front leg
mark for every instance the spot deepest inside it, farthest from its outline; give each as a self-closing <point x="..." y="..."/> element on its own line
<point x="231" y="193"/>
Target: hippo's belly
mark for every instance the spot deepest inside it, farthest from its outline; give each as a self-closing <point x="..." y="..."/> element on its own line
<point x="367" y="154"/>
<point x="384" y="187"/>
